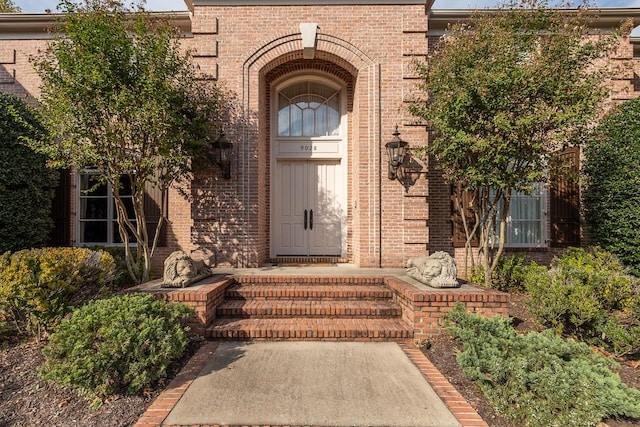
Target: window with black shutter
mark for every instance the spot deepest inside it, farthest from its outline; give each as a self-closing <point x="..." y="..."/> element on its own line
<point x="564" y="193"/>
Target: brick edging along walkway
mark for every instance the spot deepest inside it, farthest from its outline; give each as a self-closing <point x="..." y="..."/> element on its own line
<point x="458" y="405"/>
<point x="165" y="402"/>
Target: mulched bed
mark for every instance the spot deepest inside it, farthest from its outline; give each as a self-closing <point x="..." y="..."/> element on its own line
<point x="442" y="353"/>
<point x="25" y="400"/>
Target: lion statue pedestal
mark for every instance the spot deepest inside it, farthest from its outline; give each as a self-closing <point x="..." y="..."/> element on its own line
<point x="181" y="271"/>
<point x="437" y="270"/>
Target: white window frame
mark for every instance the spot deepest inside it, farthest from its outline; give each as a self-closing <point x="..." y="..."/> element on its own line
<point x="542" y="219"/>
<point x="111" y="215"/>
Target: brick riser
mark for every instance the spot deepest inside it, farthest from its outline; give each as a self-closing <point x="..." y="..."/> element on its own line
<point x="309" y="329"/>
<point x="292" y="308"/>
<point x="309" y="309"/>
<point x="309" y="292"/>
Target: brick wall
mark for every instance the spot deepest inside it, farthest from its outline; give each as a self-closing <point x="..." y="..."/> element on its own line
<point x="249" y="47"/>
<point x="17" y="75"/>
<point x="370" y="49"/>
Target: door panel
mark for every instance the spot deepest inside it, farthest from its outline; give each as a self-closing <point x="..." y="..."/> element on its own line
<point x="326" y="233"/>
<point x="291" y="183"/>
<point x="308" y="209"/>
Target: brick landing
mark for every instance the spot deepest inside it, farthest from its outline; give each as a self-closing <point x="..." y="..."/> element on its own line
<point x="313" y="307"/>
<point x="165" y="402"/>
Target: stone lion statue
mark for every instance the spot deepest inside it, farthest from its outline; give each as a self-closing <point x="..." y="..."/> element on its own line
<point x="437" y="270"/>
<point x="181" y="271"/>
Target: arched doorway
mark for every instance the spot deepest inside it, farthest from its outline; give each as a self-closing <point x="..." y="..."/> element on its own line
<point x="308" y="167"/>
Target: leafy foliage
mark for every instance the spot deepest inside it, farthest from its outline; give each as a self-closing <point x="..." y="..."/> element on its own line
<point x="587" y="294"/>
<point x="539" y="379"/>
<point x="7" y="6"/>
<point x="39" y="286"/>
<point x="505" y="92"/>
<point x="26" y="183"/>
<point x="611" y="197"/>
<point x="119" y="344"/>
<point x="509" y="274"/>
<point x="119" y="94"/>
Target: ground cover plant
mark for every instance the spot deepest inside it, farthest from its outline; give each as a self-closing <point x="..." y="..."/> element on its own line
<point x="539" y="379"/>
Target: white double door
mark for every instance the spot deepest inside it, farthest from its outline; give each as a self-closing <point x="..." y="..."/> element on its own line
<point x="309" y="214"/>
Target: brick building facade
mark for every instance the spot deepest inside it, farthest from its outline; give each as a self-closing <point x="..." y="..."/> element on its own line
<point x="320" y="87"/>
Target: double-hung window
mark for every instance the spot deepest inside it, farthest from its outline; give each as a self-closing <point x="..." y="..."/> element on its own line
<point x="96" y="214"/>
<point x="527" y="220"/>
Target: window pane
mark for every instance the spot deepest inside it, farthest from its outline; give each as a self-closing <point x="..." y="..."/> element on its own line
<point x="296" y="121"/>
<point x="125" y="186"/>
<point x="88" y="181"/>
<point x="321" y="121"/>
<point x="116" y="233"/>
<point x="283" y="121"/>
<point x="308" y="109"/>
<point x="128" y="203"/>
<point x="526" y="219"/>
<point x="334" y="116"/>
<point x="308" y="119"/>
<point x="93" y="208"/>
<point x="93" y="232"/>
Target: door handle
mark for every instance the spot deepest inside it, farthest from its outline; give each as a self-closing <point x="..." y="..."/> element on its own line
<point x="305" y="219"/>
<point x="311" y="219"/>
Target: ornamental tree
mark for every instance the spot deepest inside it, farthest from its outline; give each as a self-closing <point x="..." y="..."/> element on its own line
<point x="7" y="6"/>
<point x="505" y="92"/>
<point x="611" y="198"/>
<point x="120" y="95"/>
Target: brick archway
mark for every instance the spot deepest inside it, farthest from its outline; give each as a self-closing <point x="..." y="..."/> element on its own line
<point x="360" y="75"/>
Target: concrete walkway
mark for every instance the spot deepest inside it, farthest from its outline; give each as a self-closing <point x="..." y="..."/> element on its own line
<point x="289" y="383"/>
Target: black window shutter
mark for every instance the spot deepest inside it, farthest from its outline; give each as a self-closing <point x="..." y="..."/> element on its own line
<point x="459" y="237"/>
<point x="564" y="212"/>
<point x="153" y="202"/>
<point x="60" y="211"/>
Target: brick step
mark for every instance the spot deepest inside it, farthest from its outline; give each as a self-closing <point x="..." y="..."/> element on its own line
<point x="310" y="292"/>
<point x="297" y="328"/>
<point x="308" y="308"/>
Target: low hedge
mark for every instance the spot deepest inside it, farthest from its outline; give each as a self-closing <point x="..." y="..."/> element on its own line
<point x="588" y="295"/>
<point x="119" y="344"/>
<point x="39" y="286"/>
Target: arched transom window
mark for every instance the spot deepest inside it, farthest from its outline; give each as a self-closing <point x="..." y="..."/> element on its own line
<point x="308" y="109"/>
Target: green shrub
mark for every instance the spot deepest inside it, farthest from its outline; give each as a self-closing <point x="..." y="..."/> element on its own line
<point x="508" y="276"/>
<point x="120" y="344"/>
<point x="539" y="379"/>
<point x="39" y="286"/>
<point x="586" y="294"/>
<point x="611" y="197"/>
<point x="122" y="278"/>
<point x="26" y="183"/>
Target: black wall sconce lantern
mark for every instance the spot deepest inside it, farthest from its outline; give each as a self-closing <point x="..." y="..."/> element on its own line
<point x="221" y="150"/>
<point x="396" y="150"/>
